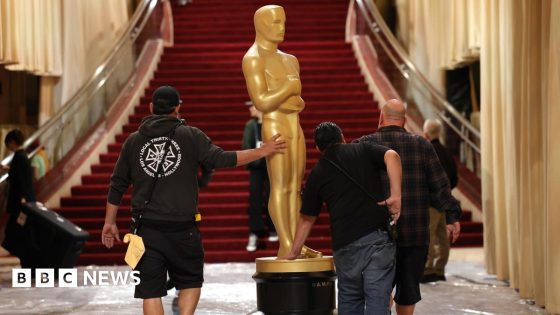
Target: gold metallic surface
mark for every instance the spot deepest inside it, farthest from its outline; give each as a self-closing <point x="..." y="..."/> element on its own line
<point x="272" y="265"/>
<point x="274" y="86"/>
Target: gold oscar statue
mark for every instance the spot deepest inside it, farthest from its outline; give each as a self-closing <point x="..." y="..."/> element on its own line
<point x="273" y="83"/>
<point x="274" y="86"/>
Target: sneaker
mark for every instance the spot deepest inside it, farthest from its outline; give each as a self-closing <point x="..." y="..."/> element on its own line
<point x="273" y="237"/>
<point x="175" y="305"/>
<point x="252" y="244"/>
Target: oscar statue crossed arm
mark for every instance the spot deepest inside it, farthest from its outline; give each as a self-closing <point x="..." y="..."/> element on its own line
<point x="274" y="86"/>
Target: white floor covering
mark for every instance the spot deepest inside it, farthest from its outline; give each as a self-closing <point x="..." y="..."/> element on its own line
<point x="229" y="289"/>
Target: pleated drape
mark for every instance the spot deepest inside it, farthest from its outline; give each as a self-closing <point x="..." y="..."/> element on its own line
<point x="63" y="39"/>
<point x="520" y="91"/>
<point x="30" y="36"/>
<point x="552" y="163"/>
<point x="439" y="35"/>
<point x="92" y="29"/>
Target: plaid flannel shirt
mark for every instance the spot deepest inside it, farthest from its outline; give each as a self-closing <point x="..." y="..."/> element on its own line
<point x="424" y="184"/>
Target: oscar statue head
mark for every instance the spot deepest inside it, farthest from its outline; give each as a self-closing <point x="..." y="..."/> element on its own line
<point x="270" y="23"/>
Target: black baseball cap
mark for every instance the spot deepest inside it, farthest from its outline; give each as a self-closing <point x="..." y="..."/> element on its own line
<point x="165" y="98"/>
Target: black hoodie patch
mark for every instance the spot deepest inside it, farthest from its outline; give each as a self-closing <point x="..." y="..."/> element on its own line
<point x="158" y="128"/>
<point x="152" y="153"/>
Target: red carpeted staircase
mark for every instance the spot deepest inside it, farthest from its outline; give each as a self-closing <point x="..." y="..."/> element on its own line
<point x="211" y="38"/>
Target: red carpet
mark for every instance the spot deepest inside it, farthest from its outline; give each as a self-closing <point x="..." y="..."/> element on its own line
<point x="211" y="38"/>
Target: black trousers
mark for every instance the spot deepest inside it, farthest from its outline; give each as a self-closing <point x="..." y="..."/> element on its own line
<point x="259" y="191"/>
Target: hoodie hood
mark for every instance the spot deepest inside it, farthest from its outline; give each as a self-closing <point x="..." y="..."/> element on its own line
<point x="159" y="125"/>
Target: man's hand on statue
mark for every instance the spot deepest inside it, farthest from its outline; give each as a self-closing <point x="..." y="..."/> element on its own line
<point x="274" y="145"/>
<point x="393" y="203"/>
<point x="453" y="231"/>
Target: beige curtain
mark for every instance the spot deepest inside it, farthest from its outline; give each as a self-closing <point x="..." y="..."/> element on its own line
<point x="445" y="33"/>
<point x="88" y="40"/>
<point x="552" y="163"/>
<point x="30" y="36"/>
<point x="66" y="39"/>
<point x="439" y="34"/>
<point x="520" y="71"/>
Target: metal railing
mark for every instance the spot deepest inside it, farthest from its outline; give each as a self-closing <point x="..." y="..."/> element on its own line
<point x="88" y="108"/>
<point x="411" y="84"/>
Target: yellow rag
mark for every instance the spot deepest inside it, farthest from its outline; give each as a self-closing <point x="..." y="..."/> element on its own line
<point x="135" y="249"/>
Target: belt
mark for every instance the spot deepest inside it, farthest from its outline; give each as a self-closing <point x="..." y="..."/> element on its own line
<point x="168" y="226"/>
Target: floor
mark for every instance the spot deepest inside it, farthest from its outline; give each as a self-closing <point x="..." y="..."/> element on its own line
<point x="229" y="289"/>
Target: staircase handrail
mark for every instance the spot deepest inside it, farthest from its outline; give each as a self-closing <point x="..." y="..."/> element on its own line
<point x="377" y="24"/>
<point x="138" y="21"/>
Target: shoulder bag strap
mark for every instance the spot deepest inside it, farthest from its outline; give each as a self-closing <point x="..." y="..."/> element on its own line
<point x="391" y="226"/>
<point x="157" y="174"/>
<point x="350" y="178"/>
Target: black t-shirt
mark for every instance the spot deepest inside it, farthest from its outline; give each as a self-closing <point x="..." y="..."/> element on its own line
<point x="352" y="213"/>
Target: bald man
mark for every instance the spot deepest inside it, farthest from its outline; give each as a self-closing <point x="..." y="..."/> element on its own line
<point x="424" y="184"/>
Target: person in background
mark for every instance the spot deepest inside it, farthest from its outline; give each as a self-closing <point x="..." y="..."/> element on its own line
<point x="259" y="186"/>
<point x="438" y="251"/>
<point x="20" y="191"/>
<point x="40" y="163"/>
<point x="424" y="184"/>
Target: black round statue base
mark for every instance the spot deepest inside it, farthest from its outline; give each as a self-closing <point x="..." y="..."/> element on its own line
<point x="296" y="293"/>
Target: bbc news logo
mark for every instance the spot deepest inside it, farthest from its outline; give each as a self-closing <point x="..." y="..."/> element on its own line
<point x="68" y="278"/>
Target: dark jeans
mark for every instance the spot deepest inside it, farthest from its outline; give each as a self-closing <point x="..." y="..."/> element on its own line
<point x="259" y="190"/>
<point x="365" y="269"/>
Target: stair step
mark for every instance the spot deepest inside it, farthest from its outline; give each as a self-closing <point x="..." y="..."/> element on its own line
<point x="246" y="37"/>
<point x="170" y="71"/>
<point x="237" y="55"/>
<point x="323" y="44"/>
<point x="345" y="87"/>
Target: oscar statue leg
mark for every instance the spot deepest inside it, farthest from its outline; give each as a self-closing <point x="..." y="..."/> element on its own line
<point x="296" y="198"/>
<point x="278" y="202"/>
<point x="297" y="156"/>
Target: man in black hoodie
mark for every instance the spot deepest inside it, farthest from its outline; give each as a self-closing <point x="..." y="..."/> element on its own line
<point x="166" y="148"/>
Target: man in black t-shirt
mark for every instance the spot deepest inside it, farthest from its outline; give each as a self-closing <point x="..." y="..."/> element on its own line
<point x="364" y="254"/>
